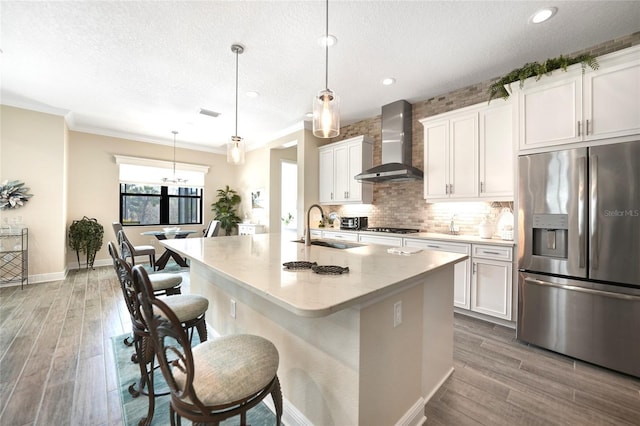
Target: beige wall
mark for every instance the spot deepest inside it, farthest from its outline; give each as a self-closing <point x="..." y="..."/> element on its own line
<point x="93" y="182"/>
<point x="74" y="174"/>
<point x="33" y="151"/>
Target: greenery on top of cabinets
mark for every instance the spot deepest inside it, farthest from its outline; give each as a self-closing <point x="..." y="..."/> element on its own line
<point x="537" y="70"/>
<point x="225" y="209"/>
<point x="85" y="236"/>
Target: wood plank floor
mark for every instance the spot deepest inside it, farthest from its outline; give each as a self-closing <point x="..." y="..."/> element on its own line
<point x="57" y="368"/>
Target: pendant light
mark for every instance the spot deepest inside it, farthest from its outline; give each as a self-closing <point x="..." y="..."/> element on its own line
<point x="326" y="106"/>
<point x="235" y="148"/>
<point x="175" y="179"/>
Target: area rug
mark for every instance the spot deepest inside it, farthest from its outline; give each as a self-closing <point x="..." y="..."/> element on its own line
<point x="133" y="409"/>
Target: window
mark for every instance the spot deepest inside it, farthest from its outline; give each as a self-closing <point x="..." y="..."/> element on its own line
<point x="159" y="205"/>
<point x="148" y="198"/>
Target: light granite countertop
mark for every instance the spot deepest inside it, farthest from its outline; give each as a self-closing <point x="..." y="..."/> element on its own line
<point x="471" y="239"/>
<point x="255" y="262"/>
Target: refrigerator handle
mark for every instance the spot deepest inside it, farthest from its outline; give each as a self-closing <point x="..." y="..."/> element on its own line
<point x="608" y="294"/>
<point x="594" y="212"/>
<point x="582" y="246"/>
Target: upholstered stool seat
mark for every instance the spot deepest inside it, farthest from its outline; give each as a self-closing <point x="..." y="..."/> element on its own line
<point x="231" y="368"/>
<point x="186" y="306"/>
<point x="163" y="282"/>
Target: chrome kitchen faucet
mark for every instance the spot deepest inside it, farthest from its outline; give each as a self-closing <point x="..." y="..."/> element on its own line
<point x="307" y="236"/>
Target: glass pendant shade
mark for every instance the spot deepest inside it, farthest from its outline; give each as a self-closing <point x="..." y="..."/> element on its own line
<point x="235" y="150"/>
<point x="326" y="115"/>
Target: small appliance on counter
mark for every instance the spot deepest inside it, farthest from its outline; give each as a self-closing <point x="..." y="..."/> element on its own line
<point x="354" y="223"/>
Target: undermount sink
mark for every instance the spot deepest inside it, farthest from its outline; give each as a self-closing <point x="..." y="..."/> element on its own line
<point x="332" y="244"/>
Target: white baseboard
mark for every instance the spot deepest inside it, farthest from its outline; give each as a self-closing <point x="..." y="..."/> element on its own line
<point x="291" y="416"/>
<point x="415" y="416"/>
<point x="427" y="398"/>
<point x="45" y="278"/>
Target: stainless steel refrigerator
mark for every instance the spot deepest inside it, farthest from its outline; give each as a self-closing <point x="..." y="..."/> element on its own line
<point x="579" y="254"/>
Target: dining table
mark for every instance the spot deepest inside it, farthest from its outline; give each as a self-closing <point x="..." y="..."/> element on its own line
<point x="161" y="262"/>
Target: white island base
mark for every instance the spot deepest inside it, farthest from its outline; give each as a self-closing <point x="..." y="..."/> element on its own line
<point x="353" y="366"/>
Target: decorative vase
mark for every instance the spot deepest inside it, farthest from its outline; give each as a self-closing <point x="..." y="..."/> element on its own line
<point x="485" y="229"/>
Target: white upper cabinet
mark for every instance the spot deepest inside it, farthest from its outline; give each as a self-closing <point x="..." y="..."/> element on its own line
<point x="339" y="163"/>
<point x="569" y="107"/>
<point x="468" y="154"/>
<point x="496" y="151"/>
<point x="612" y="98"/>
<point x="451" y="157"/>
<point x="326" y="175"/>
<point x="551" y="113"/>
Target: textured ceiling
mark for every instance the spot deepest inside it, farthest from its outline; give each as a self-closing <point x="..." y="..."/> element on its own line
<point x="142" y="69"/>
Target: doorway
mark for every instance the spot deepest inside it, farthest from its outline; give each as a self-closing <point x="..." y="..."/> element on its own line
<point x="289" y="196"/>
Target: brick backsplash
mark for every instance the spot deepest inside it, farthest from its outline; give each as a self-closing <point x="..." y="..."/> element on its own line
<point x="402" y="204"/>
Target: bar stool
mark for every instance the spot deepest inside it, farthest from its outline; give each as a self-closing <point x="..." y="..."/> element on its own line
<point x="215" y="380"/>
<point x="166" y="283"/>
<point x="189" y="310"/>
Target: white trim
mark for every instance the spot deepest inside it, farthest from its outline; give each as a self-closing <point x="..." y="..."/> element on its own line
<point x="415" y="415"/>
<point x="164" y="164"/>
<point x="147" y="171"/>
<point x="45" y="278"/>
<point x="291" y="416"/>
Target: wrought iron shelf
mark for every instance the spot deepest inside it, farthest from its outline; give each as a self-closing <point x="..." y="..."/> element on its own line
<point x="14" y="256"/>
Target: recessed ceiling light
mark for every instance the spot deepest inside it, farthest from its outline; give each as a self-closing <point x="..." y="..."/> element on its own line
<point x="328" y="40"/>
<point x="388" y="81"/>
<point x="543" y="15"/>
<point x="209" y="112"/>
<point x="253" y="94"/>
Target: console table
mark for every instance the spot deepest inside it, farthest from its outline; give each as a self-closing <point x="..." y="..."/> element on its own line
<point x="14" y="259"/>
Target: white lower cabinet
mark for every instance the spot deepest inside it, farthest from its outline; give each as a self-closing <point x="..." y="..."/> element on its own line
<point x="491" y="281"/>
<point x="346" y="236"/>
<point x="380" y="239"/>
<point x="461" y="272"/>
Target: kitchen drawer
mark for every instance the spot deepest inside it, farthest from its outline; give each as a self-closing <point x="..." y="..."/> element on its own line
<point x="380" y="239"/>
<point x="345" y="236"/>
<point x="493" y="252"/>
<point x="316" y="233"/>
<point x="438" y="245"/>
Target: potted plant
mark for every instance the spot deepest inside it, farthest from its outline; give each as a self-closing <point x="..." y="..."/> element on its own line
<point x="85" y="236"/>
<point x="225" y="209"/>
<point x="538" y="70"/>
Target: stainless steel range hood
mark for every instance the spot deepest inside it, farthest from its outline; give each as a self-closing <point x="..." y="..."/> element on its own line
<point x="396" y="147"/>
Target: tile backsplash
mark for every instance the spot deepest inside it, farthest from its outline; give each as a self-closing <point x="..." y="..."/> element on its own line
<point x="398" y="207"/>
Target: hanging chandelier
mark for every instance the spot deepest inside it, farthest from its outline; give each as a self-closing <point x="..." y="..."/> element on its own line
<point x="235" y="147"/>
<point x="326" y="105"/>
<point x="175" y="179"/>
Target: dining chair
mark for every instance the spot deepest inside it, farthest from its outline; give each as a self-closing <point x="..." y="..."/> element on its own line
<point x="213" y="381"/>
<point x="212" y="229"/>
<point x="189" y="311"/>
<point x="142" y="250"/>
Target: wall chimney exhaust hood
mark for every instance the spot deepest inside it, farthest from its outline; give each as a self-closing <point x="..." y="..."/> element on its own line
<point x="396" y="147"/>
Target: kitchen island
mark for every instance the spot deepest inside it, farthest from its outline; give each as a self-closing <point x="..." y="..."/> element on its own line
<point x="367" y="347"/>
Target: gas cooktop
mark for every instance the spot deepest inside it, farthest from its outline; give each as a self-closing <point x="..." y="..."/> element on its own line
<point x="393" y="230"/>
